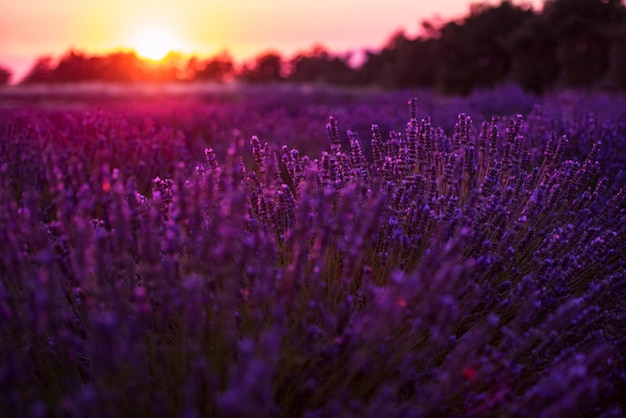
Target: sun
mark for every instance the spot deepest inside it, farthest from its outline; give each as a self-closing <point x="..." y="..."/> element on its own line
<point x="154" y="44"/>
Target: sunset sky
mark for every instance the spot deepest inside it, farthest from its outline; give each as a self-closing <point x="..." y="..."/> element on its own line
<point x="31" y="28"/>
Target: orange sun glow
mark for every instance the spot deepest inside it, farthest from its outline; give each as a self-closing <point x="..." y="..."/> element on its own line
<point x="155" y="43"/>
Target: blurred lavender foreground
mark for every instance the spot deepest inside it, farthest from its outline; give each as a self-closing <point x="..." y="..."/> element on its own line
<point x="475" y="270"/>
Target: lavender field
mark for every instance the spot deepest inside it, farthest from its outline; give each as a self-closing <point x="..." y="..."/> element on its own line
<point x="306" y="252"/>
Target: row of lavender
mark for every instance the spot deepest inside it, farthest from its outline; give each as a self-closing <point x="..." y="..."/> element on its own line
<point x="478" y="272"/>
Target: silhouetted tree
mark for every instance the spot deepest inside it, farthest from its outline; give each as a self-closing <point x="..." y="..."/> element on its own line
<point x="583" y="50"/>
<point x="377" y="68"/>
<point x="120" y="66"/>
<point x="128" y="67"/>
<point x="40" y="72"/>
<point x="76" y="66"/>
<point x="561" y="13"/>
<point x="616" y="73"/>
<point x="568" y="44"/>
<point x="415" y="63"/>
<point x="401" y="63"/>
<point x="219" y="68"/>
<point x="172" y="67"/>
<point x="5" y="76"/>
<point x="123" y="66"/>
<point x="320" y="66"/>
<point x="571" y="43"/>
<point x="267" y="67"/>
<point x="583" y="57"/>
<point x="473" y="52"/>
<point x="533" y="47"/>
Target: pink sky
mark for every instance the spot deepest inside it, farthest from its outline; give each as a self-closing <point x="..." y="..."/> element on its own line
<point x="31" y="28"/>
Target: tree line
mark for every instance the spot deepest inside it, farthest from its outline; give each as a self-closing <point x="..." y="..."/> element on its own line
<point x="569" y="43"/>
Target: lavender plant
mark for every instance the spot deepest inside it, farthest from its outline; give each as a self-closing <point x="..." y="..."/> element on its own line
<point x="473" y="273"/>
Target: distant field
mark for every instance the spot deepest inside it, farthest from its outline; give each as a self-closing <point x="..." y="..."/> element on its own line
<point x="94" y="93"/>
